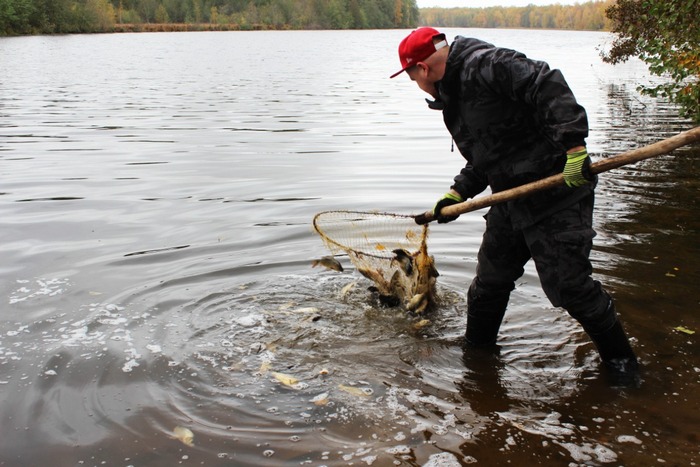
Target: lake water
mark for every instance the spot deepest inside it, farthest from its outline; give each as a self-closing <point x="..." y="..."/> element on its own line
<point x="156" y="198"/>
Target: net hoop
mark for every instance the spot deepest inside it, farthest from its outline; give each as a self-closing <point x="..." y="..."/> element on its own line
<point x="370" y="233"/>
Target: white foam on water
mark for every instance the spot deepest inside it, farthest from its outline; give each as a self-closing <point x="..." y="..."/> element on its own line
<point x="548" y="426"/>
<point x="37" y="289"/>
<point x="586" y="452"/>
<point x="566" y="435"/>
<point x="400" y="449"/>
<point x="628" y="439"/>
<point x="130" y="365"/>
<point x="443" y="459"/>
<point x="369" y="460"/>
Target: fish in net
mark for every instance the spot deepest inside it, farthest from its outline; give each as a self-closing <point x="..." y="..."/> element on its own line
<point x="389" y="249"/>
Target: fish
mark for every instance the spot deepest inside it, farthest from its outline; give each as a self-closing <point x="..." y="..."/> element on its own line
<point x="346" y="290"/>
<point x="321" y="399"/>
<point x="397" y="285"/>
<point x="287" y="380"/>
<point x="306" y="309"/>
<point x="265" y="367"/>
<point x="421" y="324"/>
<point x="432" y="270"/>
<point x="184" y="435"/>
<point x="412" y="283"/>
<point x="416" y="301"/>
<point x="422" y="307"/>
<point x="355" y="391"/>
<point x="375" y="276"/>
<point x="328" y="262"/>
<point x="404" y="260"/>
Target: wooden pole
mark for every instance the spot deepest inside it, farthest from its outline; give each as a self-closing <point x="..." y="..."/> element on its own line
<point x="629" y="157"/>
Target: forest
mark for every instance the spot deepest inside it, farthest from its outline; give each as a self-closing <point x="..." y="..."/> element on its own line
<point x="19" y="17"/>
<point x="82" y="16"/>
<point x="581" y="16"/>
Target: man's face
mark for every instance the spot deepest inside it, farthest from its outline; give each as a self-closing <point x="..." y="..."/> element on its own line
<point x="421" y="74"/>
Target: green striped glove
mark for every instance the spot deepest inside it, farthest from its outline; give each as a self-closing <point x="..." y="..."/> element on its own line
<point x="447" y="200"/>
<point x="577" y="169"/>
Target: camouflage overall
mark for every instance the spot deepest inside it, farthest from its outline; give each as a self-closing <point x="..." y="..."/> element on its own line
<point x="560" y="246"/>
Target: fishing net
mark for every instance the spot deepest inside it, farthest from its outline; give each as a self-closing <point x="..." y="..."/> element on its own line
<point x="389" y="249"/>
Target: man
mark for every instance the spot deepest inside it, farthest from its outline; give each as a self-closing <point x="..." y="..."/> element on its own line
<point x="515" y="121"/>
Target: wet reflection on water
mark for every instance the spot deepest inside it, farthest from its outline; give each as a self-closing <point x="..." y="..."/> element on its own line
<point x="156" y="243"/>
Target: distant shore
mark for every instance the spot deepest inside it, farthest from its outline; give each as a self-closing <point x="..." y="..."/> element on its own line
<point x="182" y="27"/>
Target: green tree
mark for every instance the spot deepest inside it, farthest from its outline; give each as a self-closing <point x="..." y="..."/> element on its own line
<point x="16" y="16"/>
<point x="665" y="35"/>
<point x="100" y="15"/>
<point x="197" y="11"/>
<point x="147" y="9"/>
<point x="161" y="14"/>
<point x="177" y="10"/>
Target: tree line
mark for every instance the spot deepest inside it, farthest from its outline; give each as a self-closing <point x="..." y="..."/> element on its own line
<point x="581" y="16"/>
<point x="81" y="16"/>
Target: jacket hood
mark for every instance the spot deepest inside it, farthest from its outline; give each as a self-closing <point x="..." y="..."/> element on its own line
<point x="462" y="51"/>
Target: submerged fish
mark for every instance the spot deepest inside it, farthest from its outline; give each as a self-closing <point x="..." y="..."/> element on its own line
<point x="328" y="262"/>
<point x="287" y="380"/>
<point x="321" y="399"/>
<point x="355" y="391"/>
<point x="421" y="324"/>
<point x="265" y="367"/>
<point x="306" y="309"/>
<point x="184" y="435"/>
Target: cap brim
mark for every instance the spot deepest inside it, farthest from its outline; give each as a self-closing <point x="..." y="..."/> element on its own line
<point x="399" y="72"/>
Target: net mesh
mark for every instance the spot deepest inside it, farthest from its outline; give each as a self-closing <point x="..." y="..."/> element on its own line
<point x="389" y="249"/>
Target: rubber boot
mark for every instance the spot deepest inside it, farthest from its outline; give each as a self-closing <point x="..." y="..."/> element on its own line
<point x="617" y="356"/>
<point x="484" y="317"/>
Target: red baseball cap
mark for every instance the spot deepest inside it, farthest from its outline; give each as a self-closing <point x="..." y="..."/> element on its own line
<point x="418" y="46"/>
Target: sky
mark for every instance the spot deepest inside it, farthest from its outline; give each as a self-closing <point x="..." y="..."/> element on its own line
<point x="488" y="3"/>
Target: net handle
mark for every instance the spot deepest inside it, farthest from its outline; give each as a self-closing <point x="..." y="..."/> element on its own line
<point x="629" y="157"/>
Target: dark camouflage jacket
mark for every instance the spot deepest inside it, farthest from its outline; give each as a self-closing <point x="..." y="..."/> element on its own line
<point x="512" y="119"/>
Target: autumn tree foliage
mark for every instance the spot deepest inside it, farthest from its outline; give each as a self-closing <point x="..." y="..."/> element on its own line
<point x="664" y="34"/>
<point x="61" y="16"/>
<point x="581" y="16"/>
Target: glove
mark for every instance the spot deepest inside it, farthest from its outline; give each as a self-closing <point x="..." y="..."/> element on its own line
<point x="577" y="171"/>
<point x="447" y="200"/>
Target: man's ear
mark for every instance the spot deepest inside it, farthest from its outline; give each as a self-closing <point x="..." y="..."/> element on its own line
<point x="423" y="68"/>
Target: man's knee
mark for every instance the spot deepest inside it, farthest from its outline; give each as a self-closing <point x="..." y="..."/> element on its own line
<point x="594" y="310"/>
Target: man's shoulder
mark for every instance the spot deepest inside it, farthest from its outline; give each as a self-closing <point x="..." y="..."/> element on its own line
<point x="471" y="44"/>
